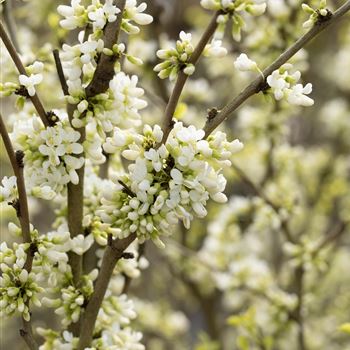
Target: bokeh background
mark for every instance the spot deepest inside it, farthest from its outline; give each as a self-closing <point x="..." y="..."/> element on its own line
<point x="236" y="264"/>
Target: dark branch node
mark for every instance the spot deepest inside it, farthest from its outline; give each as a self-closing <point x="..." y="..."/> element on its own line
<point x="15" y="204"/>
<point x="262" y="87"/>
<point x="212" y="113"/>
<point x="127" y="255"/>
<point x="322" y="19"/>
<point x="19" y="158"/>
<point x="22" y="91"/>
<point x="52" y="118"/>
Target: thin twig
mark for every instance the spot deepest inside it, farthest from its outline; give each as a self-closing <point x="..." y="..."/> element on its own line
<point x="16" y="160"/>
<point x="259" y="83"/>
<point x="182" y="77"/>
<point x="16" y="59"/>
<point x="10" y="23"/>
<point x="60" y="72"/>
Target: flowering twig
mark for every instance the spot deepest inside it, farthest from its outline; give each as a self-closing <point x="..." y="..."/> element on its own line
<point x="112" y="254"/>
<point x="258" y="84"/>
<point x="105" y="67"/>
<point x="22" y="211"/>
<point x="16" y="59"/>
<point x="182" y="77"/>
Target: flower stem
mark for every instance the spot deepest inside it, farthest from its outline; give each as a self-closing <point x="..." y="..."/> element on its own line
<point x="16" y="59"/>
<point x="182" y="77"/>
<point x="16" y="160"/>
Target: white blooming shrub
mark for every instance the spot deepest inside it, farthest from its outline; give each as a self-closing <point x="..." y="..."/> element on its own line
<point x="104" y="161"/>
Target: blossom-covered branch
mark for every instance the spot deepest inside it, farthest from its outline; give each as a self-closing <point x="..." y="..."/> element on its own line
<point x="259" y="83"/>
<point x="21" y="206"/>
<point x="16" y="59"/>
<point x="182" y="77"/>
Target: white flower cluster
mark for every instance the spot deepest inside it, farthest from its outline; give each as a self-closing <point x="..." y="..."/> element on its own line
<point x="283" y="85"/>
<point x="8" y="190"/>
<point x="33" y="78"/>
<point x="18" y="288"/>
<point x="119" y="106"/>
<point x="55" y="341"/>
<point x="71" y="301"/>
<point x="176" y="59"/>
<point x="165" y="183"/>
<point x="306" y="254"/>
<point x="315" y="15"/>
<point x="98" y="14"/>
<point x="126" y="102"/>
<point x="50" y="156"/>
<point x="78" y="59"/>
<point x="115" y="309"/>
<point x="230" y="9"/>
<point x="117" y="338"/>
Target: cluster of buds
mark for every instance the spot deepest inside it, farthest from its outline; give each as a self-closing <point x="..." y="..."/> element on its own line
<point x="176" y="59"/>
<point x="18" y="288"/>
<point x="230" y="9"/>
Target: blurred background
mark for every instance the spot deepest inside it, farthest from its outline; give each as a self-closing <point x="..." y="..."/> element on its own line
<point x="233" y="280"/>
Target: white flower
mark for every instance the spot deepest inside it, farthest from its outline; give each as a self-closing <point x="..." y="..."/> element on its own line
<point x="215" y="49"/>
<point x="278" y="84"/>
<point x="8" y="190"/>
<point x="74" y="15"/>
<point x="296" y="96"/>
<point x="30" y="82"/>
<point x="134" y="12"/>
<point x="283" y="84"/>
<point x="81" y="244"/>
<point x="243" y="63"/>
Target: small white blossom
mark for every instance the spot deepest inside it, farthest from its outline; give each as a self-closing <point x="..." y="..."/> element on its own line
<point x="8" y="190"/>
<point x="243" y="63"/>
<point x="30" y="82"/>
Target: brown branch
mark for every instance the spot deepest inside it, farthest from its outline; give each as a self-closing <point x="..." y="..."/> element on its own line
<point x="182" y="77"/>
<point x="259" y="83"/>
<point x="60" y="72"/>
<point x="16" y="59"/>
<point x="16" y="160"/>
<point x="103" y="74"/>
<point x="10" y="23"/>
<point x="113" y="252"/>
<point x="105" y="67"/>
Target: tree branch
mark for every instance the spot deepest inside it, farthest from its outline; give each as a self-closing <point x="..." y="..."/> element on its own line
<point x="112" y="254"/>
<point x="16" y="59"/>
<point x="16" y="160"/>
<point x="258" y="84"/>
<point x="105" y="67"/>
<point x="60" y="72"/>
<point x="10" y="23"/>
<point x="182" y="77"/>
